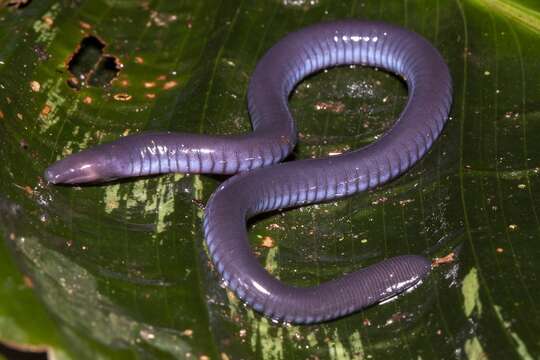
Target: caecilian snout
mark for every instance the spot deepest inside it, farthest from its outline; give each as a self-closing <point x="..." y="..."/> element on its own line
<point x="92" y="165"/>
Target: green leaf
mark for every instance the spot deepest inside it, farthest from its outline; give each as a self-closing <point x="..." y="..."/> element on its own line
<point x="120" y="271"/>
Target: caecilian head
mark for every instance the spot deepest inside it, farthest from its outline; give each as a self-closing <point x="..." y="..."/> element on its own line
<point x="94" y="165"/>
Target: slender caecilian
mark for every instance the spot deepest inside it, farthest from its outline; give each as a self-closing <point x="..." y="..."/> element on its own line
<point x="260" y="188"/>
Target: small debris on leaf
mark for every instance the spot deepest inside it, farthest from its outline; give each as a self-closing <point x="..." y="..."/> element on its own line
<point x="274" y="226"/>
<point x="41" y="53"/>
<point x="405" y="202"/>
<point x="187" y="332"/>
<point x="335" y="107"/>
<point x="146" y="335"/>
<point x="448" y="259"/>
<point x="35" y="86"/>
<point x="23" y="144"/>
<point x="160" y="19"/>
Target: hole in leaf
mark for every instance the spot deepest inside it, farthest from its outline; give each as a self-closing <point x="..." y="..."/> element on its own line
<point x="106" y="70"/>
<point x="90" y="67"/>
<point x="18" y="4"/>
<point x="12" y="353"/>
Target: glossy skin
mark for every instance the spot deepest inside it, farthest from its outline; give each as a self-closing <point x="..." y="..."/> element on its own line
<point x="299" y="182"/>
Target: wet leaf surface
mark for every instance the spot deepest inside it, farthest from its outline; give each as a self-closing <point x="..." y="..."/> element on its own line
<point x="121" y="270"/>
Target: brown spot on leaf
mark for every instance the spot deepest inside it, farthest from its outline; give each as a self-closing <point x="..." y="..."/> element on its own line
<point x="45" y="111"/>
<point x="170" y="84"/>
<point x="85" y="25"/>
<point x="28" y="282"/>
<point x="267" y="242"/>
<point x="122" y="97"/>
<point x="49" y="21"/>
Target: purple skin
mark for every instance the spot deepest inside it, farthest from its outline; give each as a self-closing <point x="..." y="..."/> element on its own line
<point x="300" y="182"/>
